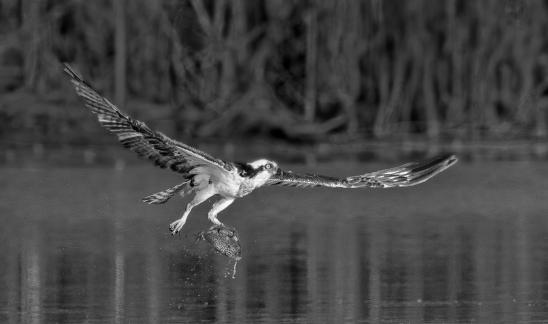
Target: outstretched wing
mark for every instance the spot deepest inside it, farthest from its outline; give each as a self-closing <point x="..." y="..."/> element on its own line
<point x="405" y="175"/>
<point x="138" y="137"/>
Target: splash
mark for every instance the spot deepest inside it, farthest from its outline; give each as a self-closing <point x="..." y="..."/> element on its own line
<point x="232" y="274"/>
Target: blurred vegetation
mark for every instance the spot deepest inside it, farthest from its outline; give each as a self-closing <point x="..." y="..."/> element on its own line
<point x="311" y="70"/>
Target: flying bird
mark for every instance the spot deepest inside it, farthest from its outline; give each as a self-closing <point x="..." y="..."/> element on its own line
<point x="205" y="176"/>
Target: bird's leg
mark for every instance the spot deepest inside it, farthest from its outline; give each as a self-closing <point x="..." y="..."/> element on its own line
<point x="217" y="208"/>
<point x="199" y="198"/>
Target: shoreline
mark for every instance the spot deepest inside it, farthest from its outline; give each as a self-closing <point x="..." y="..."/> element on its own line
<point x="309" y="154"/>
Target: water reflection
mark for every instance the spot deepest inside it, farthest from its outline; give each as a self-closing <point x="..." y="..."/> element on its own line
<point x="109" y="266"/>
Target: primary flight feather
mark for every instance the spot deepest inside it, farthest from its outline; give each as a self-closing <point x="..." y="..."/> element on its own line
<point x="206" y="176"/>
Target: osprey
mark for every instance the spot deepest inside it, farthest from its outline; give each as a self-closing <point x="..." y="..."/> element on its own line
<point x="206" y="176"/>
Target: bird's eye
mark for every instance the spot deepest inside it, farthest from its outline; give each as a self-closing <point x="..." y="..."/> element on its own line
<point x="268" y="166"/>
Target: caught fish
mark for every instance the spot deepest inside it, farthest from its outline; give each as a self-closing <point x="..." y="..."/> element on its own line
<point x="225" y="241"/>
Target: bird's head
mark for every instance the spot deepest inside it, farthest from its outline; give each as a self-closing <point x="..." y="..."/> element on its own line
<point x="260" y="171"/>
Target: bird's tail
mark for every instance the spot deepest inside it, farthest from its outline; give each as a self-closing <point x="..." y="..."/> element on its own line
<point x="163" y="196"/>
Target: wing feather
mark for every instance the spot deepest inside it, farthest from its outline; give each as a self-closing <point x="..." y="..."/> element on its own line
<point x="408" y="174"/>
<point x="138" y="137"/>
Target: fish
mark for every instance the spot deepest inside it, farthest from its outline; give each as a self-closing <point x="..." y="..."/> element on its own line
<point x="224" y="240"/>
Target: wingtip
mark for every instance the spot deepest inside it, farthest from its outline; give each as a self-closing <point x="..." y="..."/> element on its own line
<point x="438" y="163"/>
<point x="71" y="72"/>
<point x="451" y="159"/>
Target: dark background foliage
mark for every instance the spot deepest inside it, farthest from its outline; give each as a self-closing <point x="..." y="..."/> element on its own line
<point x="312" y="70"/>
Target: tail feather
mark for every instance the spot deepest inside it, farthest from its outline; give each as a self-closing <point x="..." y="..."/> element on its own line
<point x="163" y="196"/>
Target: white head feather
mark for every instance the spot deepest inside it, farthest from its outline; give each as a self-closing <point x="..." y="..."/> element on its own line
<point x="268" y="169"/>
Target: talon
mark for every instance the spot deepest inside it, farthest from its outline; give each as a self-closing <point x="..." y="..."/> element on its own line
<point x="218" y="226"/>
<point x="176" y="226"/>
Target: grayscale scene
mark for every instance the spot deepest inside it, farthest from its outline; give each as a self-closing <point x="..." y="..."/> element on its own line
<point x="273" y="161"/>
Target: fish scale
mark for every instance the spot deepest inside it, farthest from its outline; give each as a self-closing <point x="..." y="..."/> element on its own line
<point x="224" y="240"/>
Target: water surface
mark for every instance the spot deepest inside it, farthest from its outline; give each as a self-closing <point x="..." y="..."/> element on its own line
<point x="77" y="245"/>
